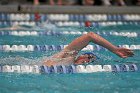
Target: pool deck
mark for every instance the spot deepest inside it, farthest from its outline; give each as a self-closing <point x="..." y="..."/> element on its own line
<point x="70" y="9"/>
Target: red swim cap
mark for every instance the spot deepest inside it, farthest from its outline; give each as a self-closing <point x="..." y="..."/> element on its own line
<point x="87" y="24"/>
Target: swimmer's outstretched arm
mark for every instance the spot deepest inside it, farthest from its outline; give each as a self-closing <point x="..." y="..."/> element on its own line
<point x="84" y="40"/>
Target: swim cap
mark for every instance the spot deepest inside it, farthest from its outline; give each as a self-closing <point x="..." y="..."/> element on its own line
<point x="87" y="24"/>
<point x="90" y="53"/>
<point x="91" y="57"/>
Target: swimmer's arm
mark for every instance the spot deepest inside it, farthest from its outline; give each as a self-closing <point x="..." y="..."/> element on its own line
<point x="49" y="63"/>
<point x="121" y="52"/>
<point x="82" y="41"/>
<point x="79" y="43"/>
<point x="57" y="62"/>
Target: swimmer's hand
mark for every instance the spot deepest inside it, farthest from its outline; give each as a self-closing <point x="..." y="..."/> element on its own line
<point x="123" y="52"/>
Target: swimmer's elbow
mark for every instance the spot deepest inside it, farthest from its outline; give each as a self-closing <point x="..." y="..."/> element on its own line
<point x="91" y="34"/>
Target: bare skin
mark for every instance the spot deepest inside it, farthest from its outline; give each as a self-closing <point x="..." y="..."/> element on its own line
<point x="68" y="55"/>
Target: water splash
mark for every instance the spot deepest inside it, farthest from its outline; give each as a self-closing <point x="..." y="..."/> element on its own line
<point x="20" y="61"/>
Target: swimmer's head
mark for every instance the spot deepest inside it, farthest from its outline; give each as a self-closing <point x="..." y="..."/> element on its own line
<point x="86" y="58"/>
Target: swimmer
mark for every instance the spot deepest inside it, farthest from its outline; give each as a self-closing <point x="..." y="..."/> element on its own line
<point x="69" y="55"/>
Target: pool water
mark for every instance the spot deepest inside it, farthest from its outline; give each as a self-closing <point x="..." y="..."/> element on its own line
<point x="99" y="82"/>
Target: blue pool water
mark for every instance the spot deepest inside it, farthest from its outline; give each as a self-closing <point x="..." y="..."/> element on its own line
<point x="100" y="82"/>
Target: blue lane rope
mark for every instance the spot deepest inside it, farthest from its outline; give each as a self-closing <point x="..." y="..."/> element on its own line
<point x="22" y="48"/>
<point x="70" y="17"/>
<point x="70" y="69"/>
<point x="55" y="33"/>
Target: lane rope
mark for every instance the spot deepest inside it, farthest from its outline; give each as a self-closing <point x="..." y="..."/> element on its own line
<point x="57" y="47"/>
<point x="69" y="69"/>
<point x="55" y="33"/>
